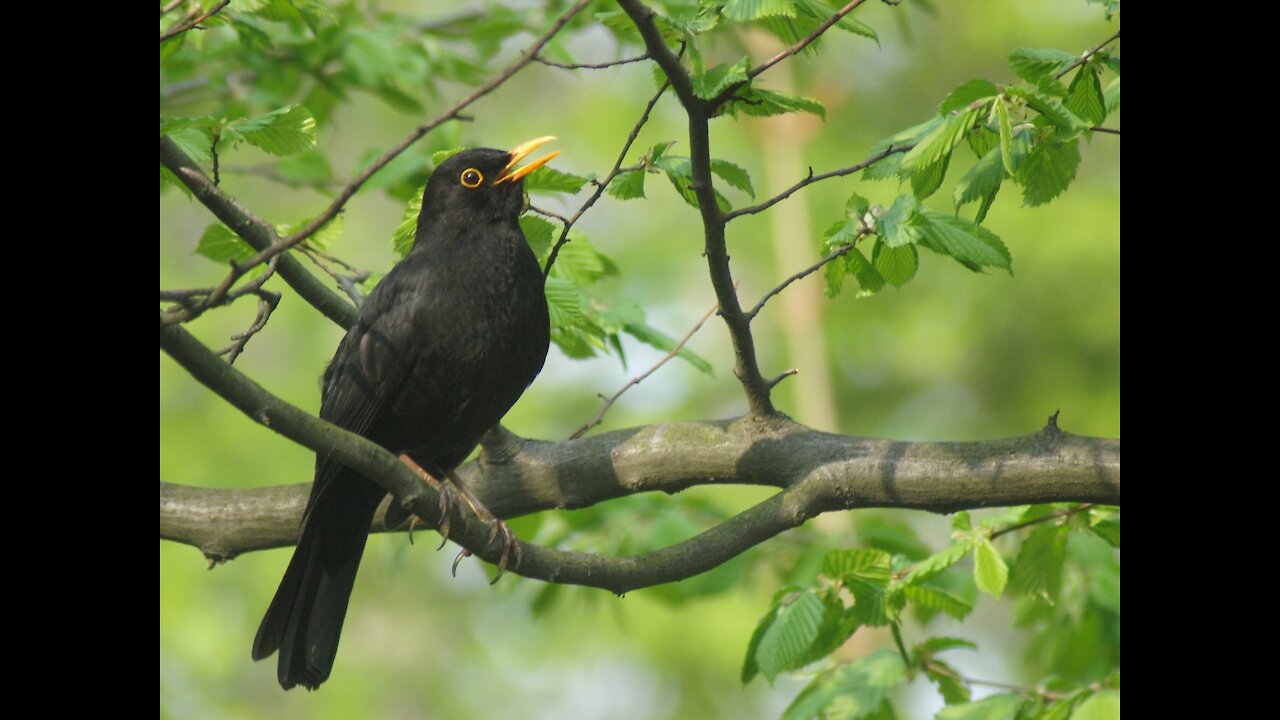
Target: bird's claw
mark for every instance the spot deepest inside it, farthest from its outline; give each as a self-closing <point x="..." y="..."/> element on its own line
<point x="509" y="547"/>
<point x="446" y="505"/>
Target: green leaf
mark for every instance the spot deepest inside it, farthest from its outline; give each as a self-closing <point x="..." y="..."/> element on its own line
<point x="804" y="627"/>
<point x="1038" y="569"/>
<point x="196" y="142"/>
<point x="751" y="100"/>
<point x="937" y="562"/>
<point x="1048" y="170"/>
<point x="967" y="94"/>
<point x="734" y="175"/>
<point x="901" y="223"/>
<point x="221" y="245"/>
<point x="1032" y="64"/>
<point x="972" y="245"/>
<point x="820" y="12"/>
<point x="869" y="564"/>
<point x="1001" y="111"/>
<point x="936" y="645"/>
<point x="926" y="163"/>
<point x="168" y="178"/>
<point x="680" y="173"/>
<point x="546" y="179"/>
<point x="440" y="156"/>
<point x="896" y="265"/>
<point x="1084" y="98"/>
<point x="278" y="10"/>
<point x="868" y="277"/>
<point x="628" y="185"/>
<point x="750" y="668"/>
<point x="1108" y="530"/>
<point x="322" y="239"/>
<point x="989" y="570"/>
<point x="580" y="263"/>
<point x="655" y="338"/>
<point x="745" y="10"/>
<point x="1102" y="706"/>
<point x="1052" y="109"/>
<point x="287" y="131"/>
<point x="860" y="689"/>
<point x="996" y="707"/>
<point x="933" y="599"/>
<point x="1111" y="96"/>
<point x="961" y="522"/>
<point x="718" y="79"/>
<point x="871" y="602"/>
<point x="407" y="231"/>
<point x="983" y="179"/>
<point x="564" y="303"/>
<point x="539" y="233"/>
<point x="944" y="676"/>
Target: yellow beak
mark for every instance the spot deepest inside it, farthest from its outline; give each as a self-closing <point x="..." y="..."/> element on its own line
<point x="519" y="153"/>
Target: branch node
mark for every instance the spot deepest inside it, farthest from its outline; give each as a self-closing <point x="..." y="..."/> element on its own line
<point x="1051" y="428"/>
<point x="771" y="384"/>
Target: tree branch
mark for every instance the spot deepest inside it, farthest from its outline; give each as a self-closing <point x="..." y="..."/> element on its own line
<point x="255" y="231"/>
<point x="746" y="366"/>
<point x="183" y="28"/>
<point x="811" y="179"/>
<point x="818" y="472"/>
<point x="838" y="252"/>
<point x="589" y="66"/>
<point x="1088" y="54"/>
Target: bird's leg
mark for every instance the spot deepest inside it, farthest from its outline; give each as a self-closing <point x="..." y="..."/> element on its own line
<point x="509" y="545"/>
<point x="446" y="500"/>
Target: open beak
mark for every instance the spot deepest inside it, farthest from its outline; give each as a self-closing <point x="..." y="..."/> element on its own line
<point x="519" y="153"/>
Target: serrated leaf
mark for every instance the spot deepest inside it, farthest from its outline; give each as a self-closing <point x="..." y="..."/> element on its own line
<point x="926" y="163"/>
<point x="1038" y="569"/>
<point x="803" y="628"/>
<point x="322" y="239"/>
<point x="221" y="245"/>
<point x="547" y="179"/>
<point x="628" y="185"/>
<point x="758" y="102"/>
<point x="656" y="338"/>
<point x="539" y="233"/>
<point x="286" y="131"/>
<point x="967" y="94"/>
<point x="871" y="601"/>
<point x="932" y="599"/>
<point x="937" y="562"/>
<point x="996" y="707"/>
<point x="196" y="142"/>
<point x="945" y="677"/>
<point x="820" y="12"/>
<point x="989" y="569"/>
<point x="746" y="10"/>
<point x="896" y="265"/>
<point x="983" y="179"/>
<point x="580" y="263"/>
<point x="1048" y="170"/>
<point x="278" y="10"/>
<point x="834" y="274"/>
<point x="1102" y="706"/>
<point x="972" y="245"/>
<point x="718" y="79"/>
<point x="1111" y="96"/>
<point x="680" y="173"/>
<point x="1084" y="97"/>
<point x="564" y="303"/>
<point x="407" y="231"/>
<point x="750" y="668"/>
<point x="869" y="564"/>
<point x="1032" y="64"/>
<point x="734" y="175"/>
<point x="1001" y="111"/>
<point x="901" y="223"/>
<point x="860" y="689"/>
<point x="1052" y="109"/>
<point x="868" y="277"/>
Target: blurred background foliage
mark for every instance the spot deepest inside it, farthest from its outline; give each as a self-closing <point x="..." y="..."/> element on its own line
<point x="950" y="356"/>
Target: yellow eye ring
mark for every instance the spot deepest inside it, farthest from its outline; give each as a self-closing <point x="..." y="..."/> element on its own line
<point x="471" y="178"/>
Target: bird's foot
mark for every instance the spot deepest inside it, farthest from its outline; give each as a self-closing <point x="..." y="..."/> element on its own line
<point x="510" y="546"/>
<point x="446" y="501"/>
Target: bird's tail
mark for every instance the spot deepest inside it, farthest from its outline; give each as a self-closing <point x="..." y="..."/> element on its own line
<point x="305" y="618"/>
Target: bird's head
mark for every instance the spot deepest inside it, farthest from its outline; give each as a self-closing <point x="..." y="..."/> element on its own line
<point x="481" y="184"/>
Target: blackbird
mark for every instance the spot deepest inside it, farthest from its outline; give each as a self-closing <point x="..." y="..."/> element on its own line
<point x="440" y="350"/>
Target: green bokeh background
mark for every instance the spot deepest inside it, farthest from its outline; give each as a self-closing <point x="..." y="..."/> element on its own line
<point x="951" y="356"/>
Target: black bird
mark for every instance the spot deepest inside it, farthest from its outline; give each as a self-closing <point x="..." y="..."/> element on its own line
<point x="441" y="349"/>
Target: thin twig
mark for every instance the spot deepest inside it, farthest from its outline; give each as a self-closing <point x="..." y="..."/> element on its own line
<point x="548" y="213"/>
<point x="753" y="209"/>
<point x="608" y="403"/>
<point x="267" y="303"/>
<point x="1036" y="521"/>
<point x="601" y="185"/>
<point x="183" y="28"/>
<point x="931" y="666"/>
<point x="838" y="252"/>
<point x="223" y="293"/>
<point x="170" y="6"/>
<point x="590" y="66"/>
<point x="1088" y="55"/>
<point x="784" y="54"/>
<point x="1111" y="131"/>
<point x="348" y="282"/>
<point x="272" y="174"/>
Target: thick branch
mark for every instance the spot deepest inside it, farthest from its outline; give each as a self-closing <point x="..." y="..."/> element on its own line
<point x="817" y="471"/>
<point x="255" y="231"/>
<point x="746" y="366"/>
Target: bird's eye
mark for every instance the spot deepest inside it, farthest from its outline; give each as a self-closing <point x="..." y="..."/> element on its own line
<point x="472" y="178"/>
